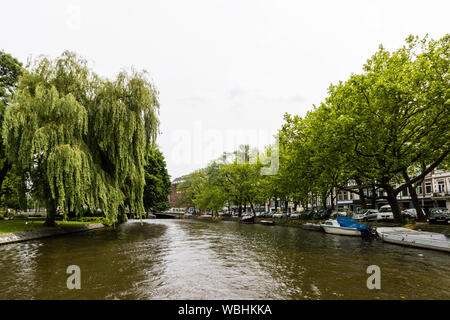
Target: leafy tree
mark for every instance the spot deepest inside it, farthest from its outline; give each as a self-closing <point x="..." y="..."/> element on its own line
<point x="191" y="187"/>
<point x="10" y="192"/>
<point x="82" y="139"/>
<point x="10" y="71"/>
<point x="395" y="116"/>
<point x="157" y="183"/>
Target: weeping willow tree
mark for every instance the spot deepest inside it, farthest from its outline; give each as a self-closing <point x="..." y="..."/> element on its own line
<point x="82" y="139"/>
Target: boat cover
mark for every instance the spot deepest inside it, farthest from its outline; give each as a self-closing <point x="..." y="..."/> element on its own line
<point x="348" y="222"/>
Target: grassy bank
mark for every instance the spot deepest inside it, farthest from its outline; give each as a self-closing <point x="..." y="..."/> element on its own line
<point x="18" y="225"/>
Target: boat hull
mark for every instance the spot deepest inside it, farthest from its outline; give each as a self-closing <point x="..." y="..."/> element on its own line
<point x="341" y="231"/>
<point x="165" y="216"/>
<point x="248" y="220"/>
<point x="412" y="238"/>
<point x="312" y="226"/>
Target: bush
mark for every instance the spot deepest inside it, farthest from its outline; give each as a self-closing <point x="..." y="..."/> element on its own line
<point x="102" y="220"/>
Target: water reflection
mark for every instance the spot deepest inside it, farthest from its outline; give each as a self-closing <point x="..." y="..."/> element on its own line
<point x="185" y="259"/>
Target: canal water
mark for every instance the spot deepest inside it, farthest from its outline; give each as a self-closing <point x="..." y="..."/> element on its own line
<point x="188" y="259"/>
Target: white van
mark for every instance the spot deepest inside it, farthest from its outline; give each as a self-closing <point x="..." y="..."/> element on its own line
<point x="385" y="213"/>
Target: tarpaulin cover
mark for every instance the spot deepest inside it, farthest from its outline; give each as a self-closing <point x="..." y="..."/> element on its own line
<point x="348" y="222"/>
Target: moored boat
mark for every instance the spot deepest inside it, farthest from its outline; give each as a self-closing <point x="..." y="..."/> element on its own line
<point x="312" y="226"/>
<point x="164" y="215"/>
<point x="414" y="238"/>
<point x="346" y="226"/>
<point x="267" y="222"/>
<point x="248" y="219"/>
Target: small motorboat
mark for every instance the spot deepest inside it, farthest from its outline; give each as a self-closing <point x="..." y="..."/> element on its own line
<point x="164" y="215"/>
<point x="312" y="226"/>
<point x="248" y="219"/>
<point x="414" y="238"/>
<point x="267" y="222"/>
<point x="346" y="226"/>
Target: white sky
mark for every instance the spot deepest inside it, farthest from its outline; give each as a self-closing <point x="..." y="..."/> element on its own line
<point x="226" y="70"/>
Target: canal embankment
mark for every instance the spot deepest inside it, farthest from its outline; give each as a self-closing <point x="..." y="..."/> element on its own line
<point x="61" y="229"/>
<point x="410" y="224"/>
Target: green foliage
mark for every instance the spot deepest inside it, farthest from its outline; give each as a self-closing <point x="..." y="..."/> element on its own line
<point x="393" y="117"/>
<point x="157" y="183"/>
<point x="12" y="191"/>
<point x="102" y="220"/>
<point x="371" y="130"/>
<point x="82" y="139"/>
<point x="233" y="179"/>
<point x="10" y="70"/>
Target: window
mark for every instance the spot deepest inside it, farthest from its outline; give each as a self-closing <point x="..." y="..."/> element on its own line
<point x="405" y="192"/>
<point x="419" y="189"/>
<point x="428" y="188"/>
<point x="441" y="186"/>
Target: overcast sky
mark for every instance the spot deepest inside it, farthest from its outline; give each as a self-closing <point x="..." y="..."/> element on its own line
<point x="226" y="70"/>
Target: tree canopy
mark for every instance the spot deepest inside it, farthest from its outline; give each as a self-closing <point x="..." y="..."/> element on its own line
<point x="157" y="183"/>
<point x="375" y="134"/>
<point x="10" y="71"/>
<point x="82" y="139"/>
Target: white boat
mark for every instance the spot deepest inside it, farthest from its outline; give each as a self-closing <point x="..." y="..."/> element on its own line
<point x="333" y="227"/>
<point x="312" y="226"/>
<point x="413" y="238"/>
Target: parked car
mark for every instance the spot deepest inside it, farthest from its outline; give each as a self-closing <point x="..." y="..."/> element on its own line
<point x="340" y="212"/>
<point x="409" y="213"/>
<point x="367" y="215"/>
<point x="322" y="214"/>
<point x="439" y="215"/>
<point x="262" y="214"/>
<point x="279" y="215"/>
<point x="306" y="214"/>
<point x="385" y="213"/>
<point x="295" y="215"/>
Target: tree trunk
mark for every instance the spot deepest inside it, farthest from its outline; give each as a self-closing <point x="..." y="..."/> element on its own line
<point x="373" y="200"/>
<point x="23" y="201"/>
<point x="253" y="208"/>
<point x="414" y="198"/>
<point x="286" y="204"/>
<point x="51" y="214"/>
<point x="362" y="198"/>
<point x="333" y="197"/>
<point x="122" y="216"/>
<point x="392" y="199"/>
<point x="4" y="171"/>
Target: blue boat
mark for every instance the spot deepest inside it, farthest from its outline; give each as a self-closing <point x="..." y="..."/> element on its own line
<point x="346" y="226"/>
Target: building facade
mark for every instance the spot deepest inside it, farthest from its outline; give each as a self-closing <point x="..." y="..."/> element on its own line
<point x="175" y="196"/>
<point x="434" y="191"/>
